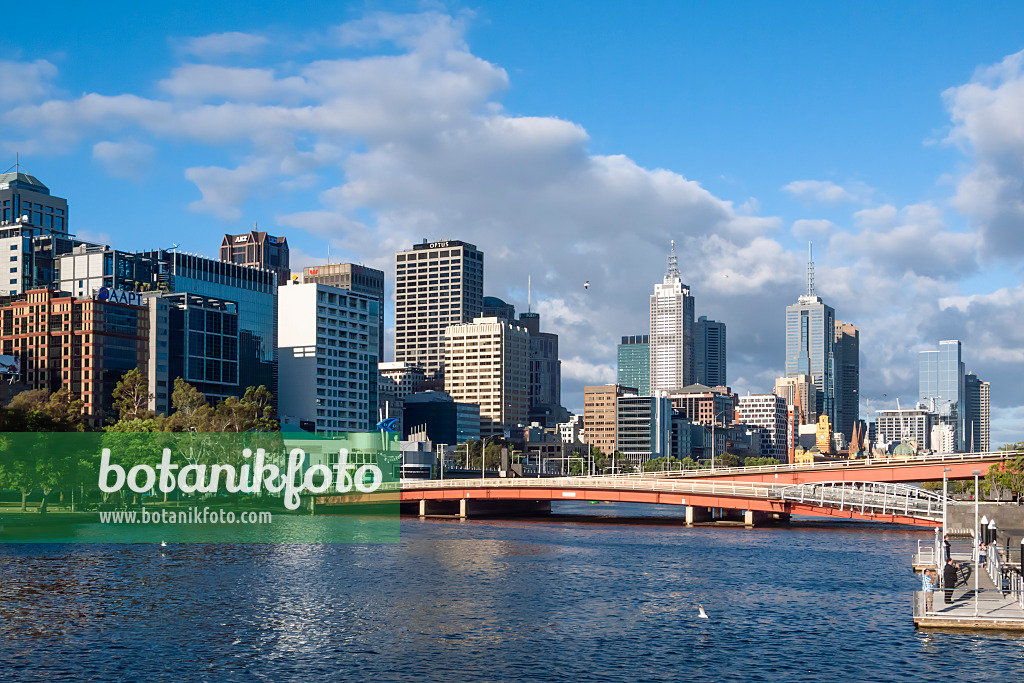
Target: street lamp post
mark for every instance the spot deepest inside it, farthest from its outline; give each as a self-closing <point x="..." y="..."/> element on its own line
<point x="944" y="470"/>
<point x="977" y="566"/>
<point x="714" y="421"/>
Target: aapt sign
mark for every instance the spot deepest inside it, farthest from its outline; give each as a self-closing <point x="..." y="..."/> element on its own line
<point x="119" y="296"/>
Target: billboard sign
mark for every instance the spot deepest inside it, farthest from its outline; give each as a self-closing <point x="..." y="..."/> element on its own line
<point x="119" y="296"/>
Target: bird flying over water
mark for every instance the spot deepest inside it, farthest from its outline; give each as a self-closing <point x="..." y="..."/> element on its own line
<point x="703" y="614"/>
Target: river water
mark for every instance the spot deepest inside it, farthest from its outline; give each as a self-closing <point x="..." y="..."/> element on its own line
<point x="558" y="598"/>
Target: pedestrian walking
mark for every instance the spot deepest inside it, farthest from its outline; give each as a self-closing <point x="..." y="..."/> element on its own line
<point x="945" y="542"/>
<point x="928" y="586"/>
<point x="982" y="553"/>
<point x="949" y="579"/>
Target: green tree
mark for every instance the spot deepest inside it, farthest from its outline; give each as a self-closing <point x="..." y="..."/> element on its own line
<point x="190" y="409"/>
<point x="131" y="396"/>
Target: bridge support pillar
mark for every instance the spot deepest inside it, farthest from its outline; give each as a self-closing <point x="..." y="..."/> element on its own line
<point x="423" y="508"/>
<point x="462" y="508"/>
<point x="754" y="518"/>
<point x="697" y="514"/>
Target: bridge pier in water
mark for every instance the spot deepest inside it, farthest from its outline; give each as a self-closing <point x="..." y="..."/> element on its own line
<point x="750" y="518"/>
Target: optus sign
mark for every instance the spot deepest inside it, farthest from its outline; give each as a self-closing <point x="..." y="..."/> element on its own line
<point x="119" y="296"/>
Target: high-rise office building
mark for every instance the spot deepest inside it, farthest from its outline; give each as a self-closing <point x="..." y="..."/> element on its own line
<point x="545" y="367"/>
<point x="941" y="385"/>
<point x="487" y="363"/>
<point x="800" y="393"/>
<point x="354" y="278"/>
<point x="847" y="377"/>
<point x="258" y="250"/>
<point x="87" y="268"/>
<point x="328" y="357"/>
<point x="493" y="307"/>
<point x="769" y="412"/>
<point x="810" y="339"/>
<point x="976" y="414"/>
<point x="437" y="284"/>
<point x="643" y="428"/>
<point x="635" y="363"/>
<point x="25" y="202"/>
<point x="85" y="344"/>
<point x="254" y="290"/>
<point x="600" y="415"/>
<point x="671" y="337"/>
<point x="195" y="338"/>
<point x="709" y="352"/>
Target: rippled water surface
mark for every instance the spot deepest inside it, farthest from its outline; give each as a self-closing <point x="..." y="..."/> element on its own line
<point x="554" y="599"/>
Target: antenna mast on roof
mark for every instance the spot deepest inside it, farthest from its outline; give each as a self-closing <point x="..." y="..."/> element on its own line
<point x="673" y="262"/>
<point x="529" y="294"/>
<point x="810" y="270"/>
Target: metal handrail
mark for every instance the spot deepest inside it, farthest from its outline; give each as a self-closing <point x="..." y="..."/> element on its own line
<point x="733" y="489"/>
<point x="834" y="464"/>
<point x="877" y="496"/>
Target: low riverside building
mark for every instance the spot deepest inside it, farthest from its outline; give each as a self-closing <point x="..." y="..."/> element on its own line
<point x="83" y="343"/>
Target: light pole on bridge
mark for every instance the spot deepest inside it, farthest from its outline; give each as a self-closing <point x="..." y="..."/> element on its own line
<point x="977" y="565"/>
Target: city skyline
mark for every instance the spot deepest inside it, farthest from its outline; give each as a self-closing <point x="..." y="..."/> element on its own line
<point x="388" y="128"/>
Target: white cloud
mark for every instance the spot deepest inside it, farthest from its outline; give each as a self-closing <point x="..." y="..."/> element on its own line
<point x="827" y="192"/>
<point x="124" y="159"/>
<point x="410" y="141"/>
<point x="222" y="44"/>
<point x="26" y="81"/>
<point x="813" y="228"/>
<point x="988" y="125"/>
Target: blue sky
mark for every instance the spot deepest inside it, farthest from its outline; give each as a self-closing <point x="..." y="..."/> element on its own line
<point x="571" y="141"/>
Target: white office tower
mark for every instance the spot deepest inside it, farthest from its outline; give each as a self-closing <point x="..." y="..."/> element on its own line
<point x="327" y="341"/>
<point x="671" y="338"/>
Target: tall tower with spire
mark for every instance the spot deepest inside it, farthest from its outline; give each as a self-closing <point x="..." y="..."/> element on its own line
<point x="810" y="339"/>
<point x="671" y="338"/>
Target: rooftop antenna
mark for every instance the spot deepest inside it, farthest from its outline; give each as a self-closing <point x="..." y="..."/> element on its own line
<point x="673" y="263"/>
<point x="810" y="270"/>
<point x="529" y="294"/>
<point x="328" y="253"/>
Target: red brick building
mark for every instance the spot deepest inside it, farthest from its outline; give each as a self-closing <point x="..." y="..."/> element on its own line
<point x="85" y="344"/>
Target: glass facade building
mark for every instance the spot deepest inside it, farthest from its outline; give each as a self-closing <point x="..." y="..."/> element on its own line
<point x="941" y="385"/>
<point x="252" y="290"/>
<point x="635" y="363"/>
<point x="709" y="352"/>
<point x="810" y="336"/>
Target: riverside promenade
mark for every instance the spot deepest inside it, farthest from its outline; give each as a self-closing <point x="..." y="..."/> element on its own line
<point x="989" y="607"/>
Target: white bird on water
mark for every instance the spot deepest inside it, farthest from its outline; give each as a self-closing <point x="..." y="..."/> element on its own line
<point x="703" y="614"/>
<point x="163" y="544"/>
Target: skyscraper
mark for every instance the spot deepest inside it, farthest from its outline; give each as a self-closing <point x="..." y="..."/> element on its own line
<point x="672" y="366"/>
<point x="487" y="363"/>
<point x="976" y="414"/>
<point x="25" y="202"/>
<point x="545" y="367"/>
<point x="635" y="363"/>
<point x="847" y="378"/>
<point x="354" y="278"/>
<point x="437" y="284"/>
<point x="941" y="385"/>
<point x="709" y="352"/>
<point x="810" y="339"/>
<point x="258" y="250"/>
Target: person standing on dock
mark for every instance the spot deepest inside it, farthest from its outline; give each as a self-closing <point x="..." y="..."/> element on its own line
<point x="945" y="542"/>
<point x="949" y="579"/>
<point x="928" y="586"/>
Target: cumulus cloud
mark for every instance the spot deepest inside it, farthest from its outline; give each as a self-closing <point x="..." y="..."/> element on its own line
<point x="987" y="124"/>
<point x="26" y="81"/>
<point x="124" y="159"/>
<point x="218" y="45"/>
<point x="410" y="141"/>
<point x="827" y="192"/>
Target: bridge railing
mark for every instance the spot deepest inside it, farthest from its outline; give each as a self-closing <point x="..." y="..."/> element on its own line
<point x="886" y="498"/>
<point x="654" y="484"/>
<point x="937" y="458"/>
